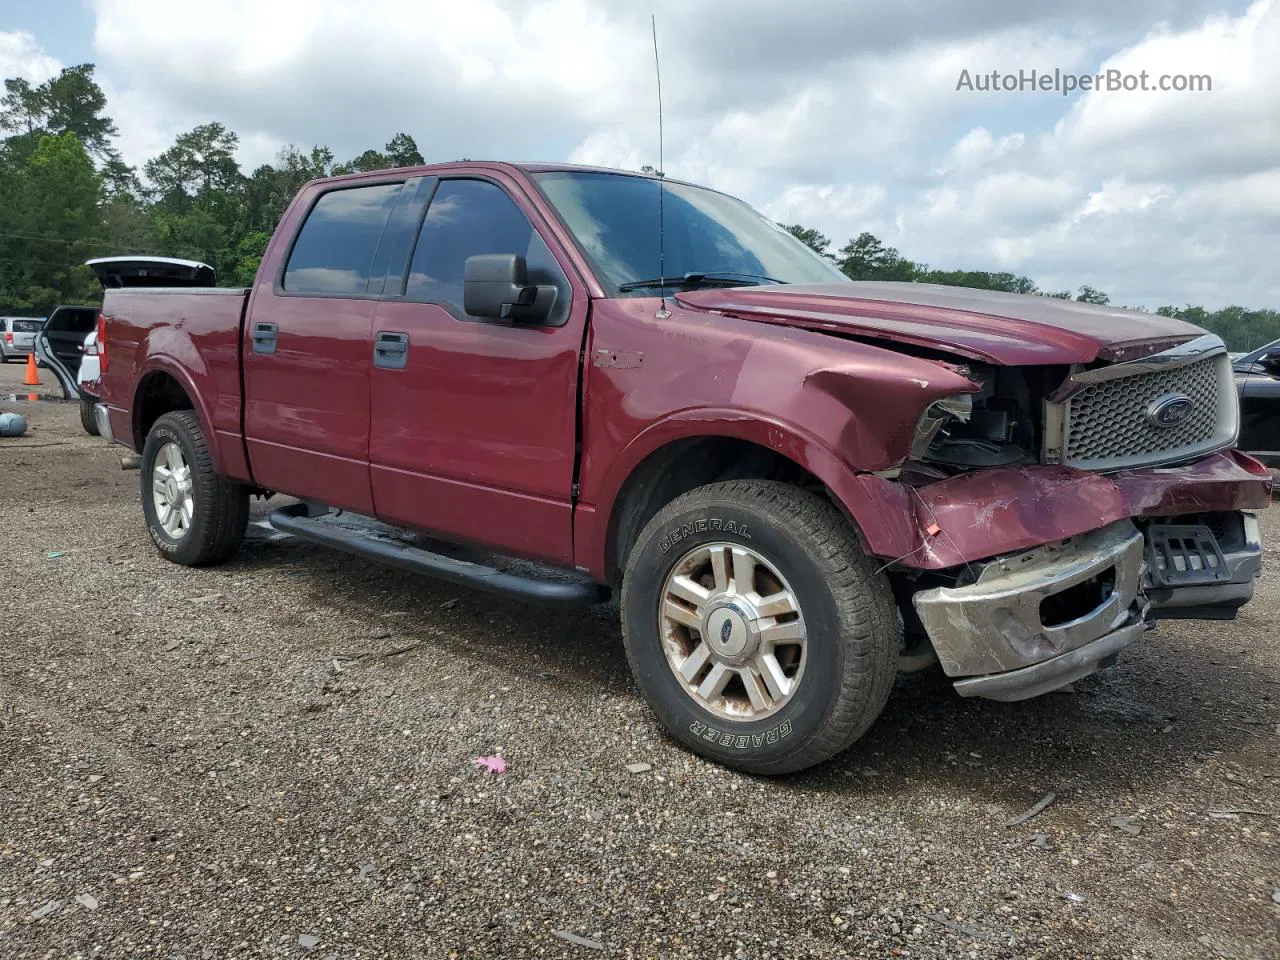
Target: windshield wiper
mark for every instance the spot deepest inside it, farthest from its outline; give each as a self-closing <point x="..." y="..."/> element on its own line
<point x="719" y="278"/>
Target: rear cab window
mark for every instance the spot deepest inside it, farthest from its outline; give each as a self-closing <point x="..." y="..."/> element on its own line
<point x="334" y="251"/>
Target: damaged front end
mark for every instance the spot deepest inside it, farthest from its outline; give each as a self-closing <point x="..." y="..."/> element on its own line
<point x="1039" y="546"/>
<point x="1043" y="618"/>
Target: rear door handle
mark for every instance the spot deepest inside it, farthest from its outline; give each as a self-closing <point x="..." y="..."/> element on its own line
<point x="391" y="350"/>
<point x="264" y="337"/>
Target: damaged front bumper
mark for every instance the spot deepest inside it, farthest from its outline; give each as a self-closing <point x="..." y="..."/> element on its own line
<point x="1040" y="619"/>
<point x="1212" y="583"/>
<point x="1035" y="621"/>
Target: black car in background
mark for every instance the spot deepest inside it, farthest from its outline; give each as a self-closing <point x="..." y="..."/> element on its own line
<point x="1258" y="380"/>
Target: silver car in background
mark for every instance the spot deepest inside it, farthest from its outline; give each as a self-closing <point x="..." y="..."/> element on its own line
<point x="17" y="336"/>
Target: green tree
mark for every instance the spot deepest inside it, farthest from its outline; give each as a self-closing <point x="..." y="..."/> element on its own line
<point x="23" y="107"/>
<point x="815" y="240"/>
<point x="49" y="219"/>
<point x="1089" y="294"/>
<point x="75" y="105"/>
<point x="367" y="162"/>
<point x="200" y="163"/>
<point x="248" y="256"/>
<point x="866" y="258"/>
<point x="403" y="151"/>
<point x="72" y="102"/>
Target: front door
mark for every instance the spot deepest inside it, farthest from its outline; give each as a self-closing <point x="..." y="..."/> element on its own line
<point x="474" y="422"/>
<point x="307" y="352"/>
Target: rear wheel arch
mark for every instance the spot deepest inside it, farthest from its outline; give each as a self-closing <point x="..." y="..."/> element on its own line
<point x="159" y="392"/>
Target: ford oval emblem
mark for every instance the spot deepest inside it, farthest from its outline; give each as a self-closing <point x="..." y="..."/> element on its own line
<point x="1170" y="410"/>
<point x="726" y="629"/>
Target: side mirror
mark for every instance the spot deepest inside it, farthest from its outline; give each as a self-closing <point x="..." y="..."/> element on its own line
<point x="496" y="286"/>
<point x="1270" y="362"/>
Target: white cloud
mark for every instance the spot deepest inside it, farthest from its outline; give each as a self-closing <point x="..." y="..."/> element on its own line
<point x="1232" y="128"/>
<point x="22" y="56"/>
<point x="841" y="116"/>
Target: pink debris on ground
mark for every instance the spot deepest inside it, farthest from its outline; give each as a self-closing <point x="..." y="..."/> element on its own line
<point x="494" y="764"/>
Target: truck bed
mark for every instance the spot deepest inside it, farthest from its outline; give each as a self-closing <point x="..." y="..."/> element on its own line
<point x="194" y="335"/>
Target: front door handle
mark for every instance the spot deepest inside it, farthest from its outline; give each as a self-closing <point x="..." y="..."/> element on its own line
<point x="391" y="350"/>
<point x="264" y="337"/>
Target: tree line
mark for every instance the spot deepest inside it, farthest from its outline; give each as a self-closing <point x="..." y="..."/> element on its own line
<point x="866" y="257"/>
<point x="66" y="195"/>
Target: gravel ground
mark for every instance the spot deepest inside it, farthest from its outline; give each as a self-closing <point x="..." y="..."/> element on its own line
<point x="275" y="759"/>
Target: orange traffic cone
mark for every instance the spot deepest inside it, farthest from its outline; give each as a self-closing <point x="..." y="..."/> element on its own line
<point x="33" y="377"/>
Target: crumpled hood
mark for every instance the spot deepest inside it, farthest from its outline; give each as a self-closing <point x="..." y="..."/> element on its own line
<point x="1002" y="328"/>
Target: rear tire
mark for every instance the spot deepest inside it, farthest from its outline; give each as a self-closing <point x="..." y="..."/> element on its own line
<point x="195" y="517"/>
<point x="86" y="415"/>
<point x="788" y="607"/>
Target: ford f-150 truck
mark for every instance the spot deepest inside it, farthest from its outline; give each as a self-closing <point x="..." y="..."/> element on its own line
<point x="798" y="485"/>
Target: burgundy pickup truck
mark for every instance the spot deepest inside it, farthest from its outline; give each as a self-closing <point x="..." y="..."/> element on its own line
<point x="798" y="485"/>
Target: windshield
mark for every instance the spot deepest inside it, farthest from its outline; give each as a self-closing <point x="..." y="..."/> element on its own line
<point x="614" y="218"/>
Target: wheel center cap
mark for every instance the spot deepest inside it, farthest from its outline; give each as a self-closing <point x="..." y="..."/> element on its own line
<point x="171" y="490"/>
<point x="728" y="631"/>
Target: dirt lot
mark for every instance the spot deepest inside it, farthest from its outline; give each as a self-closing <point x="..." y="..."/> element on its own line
<point x="274" y="759"/>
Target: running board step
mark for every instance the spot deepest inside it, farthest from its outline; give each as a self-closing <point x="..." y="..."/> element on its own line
<point x="574" y="592"/>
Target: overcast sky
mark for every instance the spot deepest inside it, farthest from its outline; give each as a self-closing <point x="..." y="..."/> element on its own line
<point x="838" y="114"/>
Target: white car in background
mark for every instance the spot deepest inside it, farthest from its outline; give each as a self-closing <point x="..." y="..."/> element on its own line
<point x="68" y="346"/>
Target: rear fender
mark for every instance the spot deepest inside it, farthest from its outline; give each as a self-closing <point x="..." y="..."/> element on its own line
<point x="167" y="364"/>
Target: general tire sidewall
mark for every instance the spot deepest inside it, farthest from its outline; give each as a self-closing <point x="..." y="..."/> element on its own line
<point x="761" y="743"/>
<point x="161" y="434"/>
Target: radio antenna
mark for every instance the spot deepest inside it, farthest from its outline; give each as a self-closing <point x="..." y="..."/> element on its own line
<point x="663" y="313"/>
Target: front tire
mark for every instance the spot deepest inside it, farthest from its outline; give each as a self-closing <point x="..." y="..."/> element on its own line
<point x="760" y="634"/>
<point x="86" y="415"/>
<point x="195" y="517"/>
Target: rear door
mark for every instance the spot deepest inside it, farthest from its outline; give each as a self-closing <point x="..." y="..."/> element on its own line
<point x="474" y="422"/>
<point x="307" y="349"/>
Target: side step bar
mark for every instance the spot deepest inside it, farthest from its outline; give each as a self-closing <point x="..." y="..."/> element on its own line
<point x="294" y="519"/>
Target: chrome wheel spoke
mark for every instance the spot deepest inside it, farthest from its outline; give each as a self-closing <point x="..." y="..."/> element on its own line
<point x="164" y="512"/>
<point x="681" y="614"/>
<point x="757" y="692"/>
<point x="781" y="633"/>
<point x="777" y="604"/>
<point x="715" y="681"/>
<point x="773" y="676"/>
<point x="690" y="592"/>
<point x="720" y="568"/>
<point x="188" y="510"/>
<point x="694" y="663"/>
<point x="744" y="571"/>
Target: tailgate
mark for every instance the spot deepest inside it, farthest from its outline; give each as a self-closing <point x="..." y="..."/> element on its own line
<point x="116" y="272"/>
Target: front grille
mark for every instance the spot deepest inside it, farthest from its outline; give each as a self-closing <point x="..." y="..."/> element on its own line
<point x="1107" y="424"/>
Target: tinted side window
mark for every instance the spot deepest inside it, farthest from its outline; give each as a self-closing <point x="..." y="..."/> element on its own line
<point x="471" y="217"/>
<point x="334" y="250"/>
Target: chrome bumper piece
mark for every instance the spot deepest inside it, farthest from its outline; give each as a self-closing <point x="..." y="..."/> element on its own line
<point x="997" y="624"/>
<point x="1034" y="622"/>
<point x="103" y="422"/>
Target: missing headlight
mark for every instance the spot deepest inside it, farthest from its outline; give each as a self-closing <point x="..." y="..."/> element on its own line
<point x="937" y="415"/>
